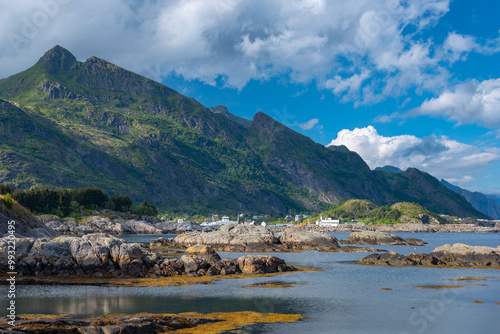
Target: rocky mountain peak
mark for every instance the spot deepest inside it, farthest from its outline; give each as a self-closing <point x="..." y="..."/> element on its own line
<point x="57" y="59"/>
<point x="263" y="123"/>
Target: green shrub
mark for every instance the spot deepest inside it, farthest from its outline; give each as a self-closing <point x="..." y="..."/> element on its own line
<point x="8" y="201"/>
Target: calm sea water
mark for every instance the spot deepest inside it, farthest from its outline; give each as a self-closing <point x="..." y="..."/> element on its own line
<point x="343" y="298"/>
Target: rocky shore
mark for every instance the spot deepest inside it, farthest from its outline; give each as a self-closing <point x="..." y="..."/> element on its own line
<point x="143" y="323"/>
<point x="396" y="228"/>
<point x="457" y="255"/>
<point x="117" y="225"/>
<point x="102" y="255"/>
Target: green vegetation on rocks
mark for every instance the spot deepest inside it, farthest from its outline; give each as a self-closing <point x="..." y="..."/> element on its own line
<point x="368" y="212"/>
<point x="71" y="202"/>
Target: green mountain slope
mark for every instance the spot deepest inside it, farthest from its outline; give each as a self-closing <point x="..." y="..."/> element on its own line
<point x="66" y="123"/>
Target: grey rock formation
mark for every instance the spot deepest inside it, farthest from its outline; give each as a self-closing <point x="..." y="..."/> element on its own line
<point x="381" y="238"/>
<point x="25" y="224"/>
<point x="457" y="255"/>
<point x="104" y="255"/>
<point x="261" y="264"/>
<point x="238" y="238"/>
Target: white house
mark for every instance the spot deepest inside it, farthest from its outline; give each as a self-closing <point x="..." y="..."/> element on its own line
<point x="327" y="221"/>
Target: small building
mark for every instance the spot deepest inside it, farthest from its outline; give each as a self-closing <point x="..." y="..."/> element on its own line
<point x="225" y="220"/>
<point x="180" y="220"/>
<point x="327" y="221"/>
<point x="263" y="224"/>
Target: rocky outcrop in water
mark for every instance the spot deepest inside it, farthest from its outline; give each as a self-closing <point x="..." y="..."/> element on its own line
<point x="457" y="255"/>
<point x="293" y="238"/>
<point x="255" y="264"/>
<point x="102" y="254"/>
<point x="381" y="238"/>
<point x="240" y="238"/>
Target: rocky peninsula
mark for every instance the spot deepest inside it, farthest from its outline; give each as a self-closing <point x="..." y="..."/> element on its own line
<point x="457" y="255"/>
<point x="102" y="255"/>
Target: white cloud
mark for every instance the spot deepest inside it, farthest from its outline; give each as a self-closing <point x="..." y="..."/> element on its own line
<point x="361" y="51"/>
<point x="386" y="118"/>
<point x="439" y="156"/>
<point x="309" y="124"/>
<point x="495" y="133"/>
<point x="341" y="44"/>
<point x="469" y="102"/>
<point x="459" y="43"/>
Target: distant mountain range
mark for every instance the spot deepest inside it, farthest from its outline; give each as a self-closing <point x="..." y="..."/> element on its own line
<point x="65" y="123"/>
<point x="483" y="203"/>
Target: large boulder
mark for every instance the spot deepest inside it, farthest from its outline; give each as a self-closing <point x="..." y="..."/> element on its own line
<point x="142" y="227"/>
<point x="261" y="264"/>
<point x="293" y="238"/>
<point x="381" y="238"/>
<point x="203" y="252"/>
<point x="199" y="259"/>
<point x="461" y="255"/>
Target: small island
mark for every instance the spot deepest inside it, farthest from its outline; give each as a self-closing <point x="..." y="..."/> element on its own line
<point x="452" y="256"/>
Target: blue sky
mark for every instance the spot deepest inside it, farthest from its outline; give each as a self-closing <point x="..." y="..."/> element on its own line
<point x="406" y="83"/>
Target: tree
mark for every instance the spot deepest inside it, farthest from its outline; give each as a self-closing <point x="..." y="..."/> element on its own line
<point x="121" y="203"/>
<point x="145" y="209"/>
<point x="65" y="202"/>
<point x="6" y="188"/>
<point x="8" y="201"/>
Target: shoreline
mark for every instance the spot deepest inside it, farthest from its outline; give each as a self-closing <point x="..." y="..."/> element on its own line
<point x="113" y="281"/>
<point x="398" y="228"/>
<point x="187" y="322"/>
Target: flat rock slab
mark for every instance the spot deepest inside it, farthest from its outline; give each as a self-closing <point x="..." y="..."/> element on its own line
<point x="381" y="238"/>
<point x="457" y="255"/>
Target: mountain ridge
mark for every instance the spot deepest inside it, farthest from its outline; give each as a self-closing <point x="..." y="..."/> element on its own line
<point x="125" y="133"/>
<point x="479" y="201"/>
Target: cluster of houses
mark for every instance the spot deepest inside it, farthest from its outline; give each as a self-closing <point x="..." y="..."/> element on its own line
<point x="215" y="221"/>
<point x="225" y="220"/>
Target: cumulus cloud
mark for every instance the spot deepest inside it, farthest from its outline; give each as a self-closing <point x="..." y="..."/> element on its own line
<point x="437" y="155"/>
<point x="469" y="102"/>
<point x="358" y="50"/>
<point x="362" y="51"/>
<point x="309" y="124"/>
